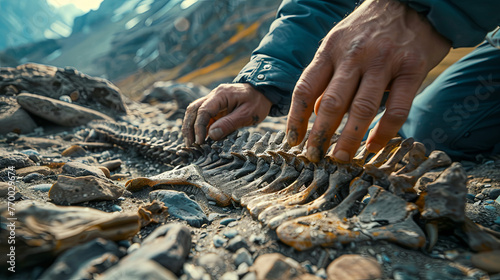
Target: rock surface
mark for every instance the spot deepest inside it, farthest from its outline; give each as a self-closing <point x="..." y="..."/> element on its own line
<point x="351" y="267"/>
<point x="142" y="269"/>
<point x="181" y="206"/>
<point x="276" y="266"/>
<point x="79" y="169"/>
<point x="58" y="112"/>
<point x="13" y="118"/>
<point x="70" y="190"/>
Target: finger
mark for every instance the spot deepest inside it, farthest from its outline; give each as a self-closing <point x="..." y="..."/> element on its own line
<point x="398" y="106"/>
<point x="309" y="87"/>
<point x="332" y="108"/>
<point x="240" y="117"/>
<point x="363" y="109"/>
<point x="208" y="110"/>
<point x="189" y="119"/>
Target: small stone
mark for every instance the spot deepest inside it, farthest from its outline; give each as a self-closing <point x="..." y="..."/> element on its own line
<point x="213" y="216"/>
<point x="480" y="196"/>
<point x="181" y="206"/>
<point x="212" y="263"/>
<point x="489" y="201"/>
<point x="13" y="118"/>
<point x="74" y="151"/>
<point x="79" y="169"/>
<point x="348" y="267"/>
<point x="30" y="152"/>
<point x="492" y="193"/>
<point x="44" y="170"/>
<point x="119" y="177"/>
<point x="257" y="238"/>
<point x="32" y="177"/>
<point x="116" y="208"/>
<point x="230" y="275"/>
<point x="142" y="269"/>
<point x="226" y="221"/>
<point x="112" y="165"/>
<point x="132" y="248"/>
<point x="82" y="261"/>
<point x="41" y="187"/>
<point x="65" y="98"/>
<point x="11" y="137"/>
<point x="231" y="233"/>
<point x="242" y="269"/>
<point x="57" y="111"/>
<point x="154" y="212"/>
<point x="70" y="190"/>
<point x="453" y="270"/>
<point x="242" y="256"/>
<point x="193" y="272"/>
<point x="276" y="266"/>
<point x="168" y="245"/>
<point x="321" y="273"/>
<point x="236" y="243"/>
<point x="250" y="276"/>
<point x="219" y="241"/>
<point x="232" y="224"/>
<point x="17" y="160"/>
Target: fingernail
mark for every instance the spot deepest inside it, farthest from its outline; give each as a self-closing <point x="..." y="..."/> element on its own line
<point x="373" y="147"/>
<point x="313" y="154"/>
<point x="215" y="133"/>
<point x="186" y="141"/>
<point x="342" y="156"/>
<point x="291" y="137"/>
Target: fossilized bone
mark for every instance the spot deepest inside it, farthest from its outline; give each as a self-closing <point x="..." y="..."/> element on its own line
<point x="312" y="204"/>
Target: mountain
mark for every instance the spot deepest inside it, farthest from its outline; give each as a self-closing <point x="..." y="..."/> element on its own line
<point x="25" y="22"/>
<point x="162" y="39"/>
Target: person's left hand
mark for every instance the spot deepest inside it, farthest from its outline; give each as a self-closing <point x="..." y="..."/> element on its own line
<point x="382" y="44"/>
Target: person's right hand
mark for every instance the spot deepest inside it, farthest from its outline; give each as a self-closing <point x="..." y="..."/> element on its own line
<point x="225" y="109"/>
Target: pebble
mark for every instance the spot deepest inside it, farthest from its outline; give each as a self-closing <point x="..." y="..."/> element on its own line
<point x="236" y="243"/>
<point x="74" y="151"/>
<point x="17" y="160"/>
<point x="82" y="261"/>
<point x="32" y="177"/>
<point x="30" y="152"/>
<point x="242" y="256"/>
<point x="230" y="233"/>
<point x="492" y="193"/>
<point x="257" y="238"/>
<point x="79" y="169"/>
<point x="119" y="177"/>
<point x="44" y="170"/>
<point x="242" y="269"/>
<point x="181" y="206"/>
<point x="489" y="201"/>
<point x="212" y="263"/>
<point x="143" y="269"/>
<point x="250" y="276"/>
<point x="213" y="216"/>
<point x="453" y="270"/>
<point x="193" y="272"/>
<point x="65" y="98"/>
<point x="276" y="266"/>
<point x="11" y="137"/>
<point x="71" y="190"/>
<point x="226" y="221"/>
<point x="116" y="208"/>
<point x="41" y="187"/>
<point x="230" y="275"/>
<point x="219" y="241"/>
<point x="480" y="196"/>
<point x="112" y="165"/>
<point x="348" y="267"/>
<point x="168" y="245"/>
<point x="232" y="224"/>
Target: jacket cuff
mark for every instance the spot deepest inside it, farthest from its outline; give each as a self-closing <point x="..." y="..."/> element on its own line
<point x="461" y="22"/>
<point x="272" y="78"/>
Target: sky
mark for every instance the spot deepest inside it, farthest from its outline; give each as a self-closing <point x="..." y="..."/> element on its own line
<point x="84" y="5"/>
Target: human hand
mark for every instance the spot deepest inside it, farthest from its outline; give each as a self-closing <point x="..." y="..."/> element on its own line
<point x="225" y="109"/>
<point x="382" y="45"/>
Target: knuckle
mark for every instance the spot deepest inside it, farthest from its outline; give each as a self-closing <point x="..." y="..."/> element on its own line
<point x="303" y="88"/>
<point x="397" y="114"/>
<point x="363" y="108"/>
<point x="332" y="104"/>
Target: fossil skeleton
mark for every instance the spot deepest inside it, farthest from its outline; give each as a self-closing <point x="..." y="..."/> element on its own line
<point x="311" y="204"/>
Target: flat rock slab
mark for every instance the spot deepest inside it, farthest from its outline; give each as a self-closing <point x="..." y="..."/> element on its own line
<point x="354" y="267"/>
<point x="17" y="160"/>
<point x="168" y="245"/>
<point x="59" y="112"/>
<point x="71" y="190"/>
<point x="44" y="170"/>
<point x="181" y="206"/>
<point x="37" y="142"/>
<point x="92" y="92"/>
<point x="80" y="169"/>
<point x="13" y="118"/>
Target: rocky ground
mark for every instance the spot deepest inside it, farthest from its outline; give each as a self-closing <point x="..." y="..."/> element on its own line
<point x="193" y="238"/>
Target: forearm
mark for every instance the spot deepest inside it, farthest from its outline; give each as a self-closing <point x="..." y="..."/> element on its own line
<point x="289" y="47"/>
<point x="465" y="23"/>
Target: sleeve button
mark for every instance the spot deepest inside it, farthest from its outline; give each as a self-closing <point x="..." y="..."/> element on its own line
<point x="260" y="77"/>
<point x="267" y="66"/>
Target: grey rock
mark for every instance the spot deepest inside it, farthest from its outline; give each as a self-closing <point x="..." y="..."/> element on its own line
<point x="276" y="266"/>
<point x="181" y="206"/>
<point x="219" y="241"/>
<point x="242" y="269"/>
<point x="41" y="187"/>
<point x="226" y="221"/>
<point x="142" y="269"/>
<point x="193" y="272"/>
<point x="242" y="256"/>
<point x="59" y="112"/>
<point x="79" y="169"/>
<point x="112" y="165"/>
<point x="169" y="246"/>
<point x="257" y="238"/>
<point x="13" y="118"/>
<point x="182" y="94"/>
<point x="236" y="243"/>
<point x="250" y="276"/>
<point x="212" y="263"/>
<point x="230" y="275"/>
<point x="213" y="216"/>
<point x="17" y="160"/>
<point x="492" y="193"/>
<point x="230" y="233"/>
<point x="82" y="261"/>
<point x="71" y="190"/>
<point x="32" y="177"/>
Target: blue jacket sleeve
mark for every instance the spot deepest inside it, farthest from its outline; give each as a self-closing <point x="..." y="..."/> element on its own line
<point x="464" y="22"/>
<point x="289" y="46"/>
